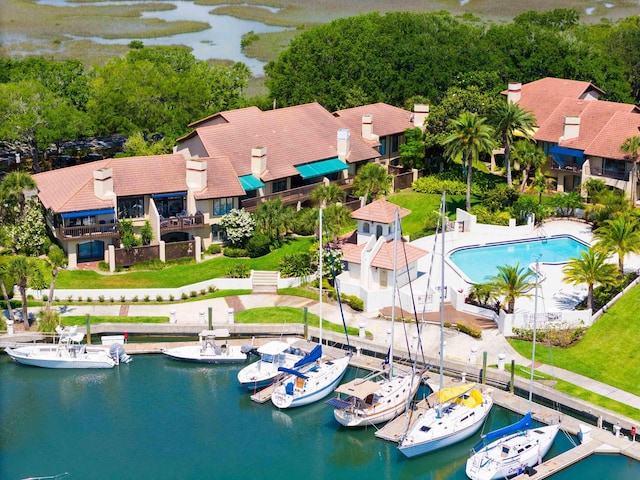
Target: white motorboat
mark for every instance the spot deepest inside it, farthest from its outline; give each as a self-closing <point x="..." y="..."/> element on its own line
<point x="273" y="355"/>
<point x="362" y="401"/>
<point x="207" y="350"/>
<point x="516" y="448"/>
<point x="313" y="377"/>
<point x="69" y="353"/>
<point x="458" y="412"/>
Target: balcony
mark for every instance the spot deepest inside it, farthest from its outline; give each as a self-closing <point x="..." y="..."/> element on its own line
<point x="608" y="173"/>
<point x="567" y="167"/>
<point x="109" y="230"/>
<point x="292" y="196"/>
<point x="177" y="224"/>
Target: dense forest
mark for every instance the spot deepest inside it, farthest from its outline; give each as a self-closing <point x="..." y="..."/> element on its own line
<point x="452" y="63"/>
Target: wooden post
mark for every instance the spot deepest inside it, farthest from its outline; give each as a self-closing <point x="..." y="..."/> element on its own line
<point x="88" y="323"/>
<point x="210" y="318"/>
<point x="513" y="375"/>
<point x="305" y="311"/>
<point x="484" y="367"/>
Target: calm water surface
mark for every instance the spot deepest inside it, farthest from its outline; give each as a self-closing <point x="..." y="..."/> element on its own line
<point x="156" y="418"/>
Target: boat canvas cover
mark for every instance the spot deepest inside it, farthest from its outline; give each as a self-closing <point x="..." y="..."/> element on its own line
<point x="358" y="388"/>
<point x="292" y="372"/>
<point x="218" y="333"/>
<point x="522" y="424"/>
<point x="447" y="394"/>
<point x="310" y="357"/>
<point x="273" y="348"/>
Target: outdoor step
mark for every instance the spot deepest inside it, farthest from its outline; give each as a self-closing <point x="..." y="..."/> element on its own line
<point x="265" y="281"/>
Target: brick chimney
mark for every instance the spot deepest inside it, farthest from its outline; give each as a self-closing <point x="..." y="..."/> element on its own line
<point x="367" y="127"/>
<point x="420" y="115"/>
<point x="571" y="128"/>
<point x="343" y="145"/>
<point x="513" y="94"/>
<point x="103" y="184"/>
<point x="196" y="174"/>
<point x="258" y="161"/>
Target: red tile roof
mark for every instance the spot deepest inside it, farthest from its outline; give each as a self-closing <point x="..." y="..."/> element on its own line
<point x="131" y="176"/>
<point x="293" y="136"/>
<point x="387" y="119"/>
<point x="380" y="211"/>
<point x="407" y="254"/>
<point x="620" y="126"/>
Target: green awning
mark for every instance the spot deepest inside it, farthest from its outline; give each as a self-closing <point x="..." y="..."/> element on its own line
<point x="324" y="167"/>
<point x="249" y="182"/>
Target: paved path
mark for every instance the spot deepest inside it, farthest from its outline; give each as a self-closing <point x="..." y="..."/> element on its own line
<point x="458" y="346"/>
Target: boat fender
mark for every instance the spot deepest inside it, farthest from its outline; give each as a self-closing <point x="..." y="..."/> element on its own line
<point x="633" y="431"/>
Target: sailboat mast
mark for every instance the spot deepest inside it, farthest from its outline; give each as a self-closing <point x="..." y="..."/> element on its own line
<point x="320" y="272"/>
<point x="443" y="228"/>
<point x="395" y="286"/>
<point x="535" y="319"/>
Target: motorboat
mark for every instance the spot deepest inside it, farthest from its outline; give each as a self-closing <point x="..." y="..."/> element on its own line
<point x="69" y="353"/>
<point x="516" y="448"/>
<point x="264" y="372"/>
<point x="208" y="350"/>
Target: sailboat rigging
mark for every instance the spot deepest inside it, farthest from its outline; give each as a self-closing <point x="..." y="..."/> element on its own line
<point x="459" y="411"/>
<point x="515" y="448"/>
<point x="313" y="377"/>
<point x="363" y="401"/>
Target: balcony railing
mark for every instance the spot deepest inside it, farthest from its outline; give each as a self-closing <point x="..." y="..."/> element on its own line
<point x="294" y="195"/>
<point x="175" y="224"/>
<point x="567" y="167"/>
<point x="109" y="230"/>
<point x="609" y="173"/>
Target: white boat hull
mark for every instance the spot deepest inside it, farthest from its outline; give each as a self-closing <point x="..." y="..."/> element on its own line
<point x="265" y="371"/>
<point x="322" y="379"/>
<point x="431" y="432"/>
<point x="526" y="449"/>
<point x="197" y="354"/>
<point x="45" y="356"/>
<point x="391" y="401"/>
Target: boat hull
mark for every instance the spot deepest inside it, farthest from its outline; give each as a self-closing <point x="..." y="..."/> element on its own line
<point x="354" y="418"/>
<point x="489" y="463"/>
<point x="52" y="357"/>
<point x="195" y="354"/>
<point x="437" y="437"/>
<point x="332" y="377"/>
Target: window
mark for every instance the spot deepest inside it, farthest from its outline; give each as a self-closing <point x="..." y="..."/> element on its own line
<point x="222" y="206"/>
<point x="131" y="207"/>
<point x="170" y="206"/>
<point x="279" y="185"/>
<point x="382" y="149"/>
<point x="395" y="140"/>
<point x="365" y="227"/>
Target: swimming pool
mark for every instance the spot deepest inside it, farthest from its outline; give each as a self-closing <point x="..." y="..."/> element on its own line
<point x="479" y="262"/>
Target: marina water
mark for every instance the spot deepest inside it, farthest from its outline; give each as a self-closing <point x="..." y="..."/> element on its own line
<point x="157" y="418"/>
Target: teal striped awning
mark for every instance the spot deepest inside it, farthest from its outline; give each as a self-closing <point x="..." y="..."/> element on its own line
<point x="324" y="167"/>
<point x="249" y="182"/>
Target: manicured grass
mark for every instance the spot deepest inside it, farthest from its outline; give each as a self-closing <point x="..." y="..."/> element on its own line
<point x="287" y="315"/>
<point x="581" y="393"/>
<point x="609" y="351"/>
<point x="179" y="275"/>
<point x="82" y="321"/>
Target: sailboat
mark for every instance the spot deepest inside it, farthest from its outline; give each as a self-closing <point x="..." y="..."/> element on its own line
<point x="458" y="412"/>
<point x="513" y="449"/>
<point x="363" y="401"/>
<point x="312" y="378"/>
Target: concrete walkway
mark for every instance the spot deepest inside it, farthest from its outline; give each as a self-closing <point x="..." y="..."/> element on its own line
<point x="458" y="346"/>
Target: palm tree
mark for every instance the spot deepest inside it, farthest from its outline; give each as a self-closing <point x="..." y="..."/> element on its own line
<point x="509" y="118"/>
<point x="631" y="146"/>
<point x="471" y="137"/>
<point x="620" y="234"/>
<point x="5" y="279"/>
<point x="273" y="219"/>
<point x="530" y="157"/>
<point x="590" y="268"/>
<point x="512" y="281"/>
<point x="23" y="269"/>
<point x="372" y="181"/>
<point x="327" y="194"/>
<point x="12" y="193"/>
<point x="57" y="260"/>
<point x="336" y="217"/>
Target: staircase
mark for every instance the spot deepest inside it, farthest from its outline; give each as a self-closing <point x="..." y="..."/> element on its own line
<point x="265" y="281"/>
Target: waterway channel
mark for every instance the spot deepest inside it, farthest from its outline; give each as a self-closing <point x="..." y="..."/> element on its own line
<point x="158" y="418"/>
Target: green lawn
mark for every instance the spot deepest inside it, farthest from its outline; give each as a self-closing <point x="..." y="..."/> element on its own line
<point x="609" y="352"/>
<point x="179" y="275"/>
